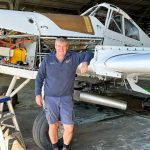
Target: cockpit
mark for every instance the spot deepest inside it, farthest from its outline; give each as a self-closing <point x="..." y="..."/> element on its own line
<point x="114" y="19"/>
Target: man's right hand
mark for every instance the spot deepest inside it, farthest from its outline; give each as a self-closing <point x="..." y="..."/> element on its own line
<point x="39" y="100"/>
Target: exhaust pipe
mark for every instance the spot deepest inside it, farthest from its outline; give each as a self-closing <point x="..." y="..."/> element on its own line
<point x="101" y="100"/>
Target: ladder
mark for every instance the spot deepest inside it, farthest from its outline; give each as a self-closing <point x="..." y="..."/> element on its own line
<point x="9" y="128"/>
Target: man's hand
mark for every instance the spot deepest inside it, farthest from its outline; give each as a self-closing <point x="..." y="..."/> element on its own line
<point x="84" y="67"/>
<point x="39" y="100"/>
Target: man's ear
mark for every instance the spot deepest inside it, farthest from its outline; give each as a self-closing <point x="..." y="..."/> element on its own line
<point x="67" y="44"/>
<point x="55" y="45"/>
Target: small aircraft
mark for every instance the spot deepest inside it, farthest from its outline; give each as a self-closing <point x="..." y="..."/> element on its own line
<point x="121" y="51"/>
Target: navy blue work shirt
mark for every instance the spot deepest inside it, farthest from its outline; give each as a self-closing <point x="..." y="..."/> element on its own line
<point x="58" y="77"/>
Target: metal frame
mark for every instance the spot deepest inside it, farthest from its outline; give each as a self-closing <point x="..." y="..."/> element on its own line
<point x="5" y="142"/>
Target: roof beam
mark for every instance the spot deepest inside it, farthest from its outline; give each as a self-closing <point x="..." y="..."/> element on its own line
<point x="64" y="4"/>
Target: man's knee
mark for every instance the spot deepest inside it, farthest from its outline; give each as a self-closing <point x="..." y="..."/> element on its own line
<point x="53" y="126"/>
<point x="68" y="128"/>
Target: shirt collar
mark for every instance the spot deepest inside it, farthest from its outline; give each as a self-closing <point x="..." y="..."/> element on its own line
<point x="68" y="53"/>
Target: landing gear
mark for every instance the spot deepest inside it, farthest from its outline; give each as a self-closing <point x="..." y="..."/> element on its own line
<point x="3" y="90"/>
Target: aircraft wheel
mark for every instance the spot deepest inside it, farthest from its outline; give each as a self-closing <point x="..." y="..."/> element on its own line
<point x="40" y="132"/>
<point x="3" y="90"/>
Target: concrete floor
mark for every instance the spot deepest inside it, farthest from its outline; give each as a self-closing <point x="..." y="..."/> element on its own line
<point x="96" y="129"/>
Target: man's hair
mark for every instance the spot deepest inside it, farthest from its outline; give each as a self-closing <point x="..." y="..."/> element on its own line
<point x="61" y="39"/>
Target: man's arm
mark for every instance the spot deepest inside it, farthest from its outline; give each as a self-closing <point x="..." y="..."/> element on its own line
<point x="39" y="83"/>
<point x="84" y="58"/>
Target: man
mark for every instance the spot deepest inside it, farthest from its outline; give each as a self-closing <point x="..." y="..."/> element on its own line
<point x="57" y="71"/>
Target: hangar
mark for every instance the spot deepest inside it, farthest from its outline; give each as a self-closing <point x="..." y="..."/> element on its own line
<point x="77" y="7"/>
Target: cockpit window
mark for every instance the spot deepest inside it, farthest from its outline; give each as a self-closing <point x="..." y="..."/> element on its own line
<point x="130" y="30"/>
<point x="116" y="22"/>
<point x="101" y="14"/>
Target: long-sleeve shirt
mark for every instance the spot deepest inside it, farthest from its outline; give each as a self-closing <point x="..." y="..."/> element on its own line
<point x="58" y="77"/>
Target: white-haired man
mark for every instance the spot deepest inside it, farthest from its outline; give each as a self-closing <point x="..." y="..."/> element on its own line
<point x="58" y="71"/>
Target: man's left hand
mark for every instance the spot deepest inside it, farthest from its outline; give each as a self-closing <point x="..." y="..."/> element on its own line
<point x="84" y="67"/>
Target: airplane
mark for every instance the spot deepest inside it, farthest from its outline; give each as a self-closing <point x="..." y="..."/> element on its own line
<point x="121" y="52"/>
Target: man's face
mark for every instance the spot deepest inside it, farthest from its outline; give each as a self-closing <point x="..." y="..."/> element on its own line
<point x="61" y="48"/>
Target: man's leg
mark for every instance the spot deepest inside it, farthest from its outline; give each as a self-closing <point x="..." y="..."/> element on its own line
<point x="53" y="134"/>
<point x="68" y="134"/>
<point x="52" y="116"/>
<point x="67" y="119"/>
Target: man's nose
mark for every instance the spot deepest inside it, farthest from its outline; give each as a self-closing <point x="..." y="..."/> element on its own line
<point x="61" y="48"/>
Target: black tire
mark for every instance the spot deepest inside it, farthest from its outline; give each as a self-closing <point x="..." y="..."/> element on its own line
<point x="3" y="90"/>
<point x="40" y="132"/>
